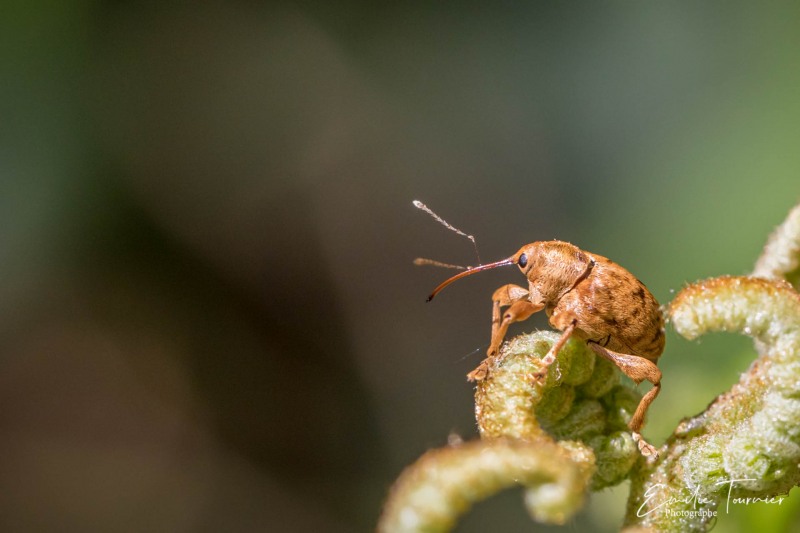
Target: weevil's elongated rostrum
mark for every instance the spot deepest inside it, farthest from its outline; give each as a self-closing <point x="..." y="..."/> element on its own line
<point x="587" y="296"/>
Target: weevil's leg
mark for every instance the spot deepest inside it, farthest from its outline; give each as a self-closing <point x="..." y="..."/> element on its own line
<point x="638" y="369"/>
<point x="550" y="358"/>
<point x="516" y="312"/>
<point x="519" y="308"/>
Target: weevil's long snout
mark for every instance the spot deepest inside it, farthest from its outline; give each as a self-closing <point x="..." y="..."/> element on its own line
<point x="469" y="272"/>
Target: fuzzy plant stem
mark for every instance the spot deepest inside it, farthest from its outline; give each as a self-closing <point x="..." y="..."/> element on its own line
<point x="444" y="483"/>
<point x="781" y="256"/>
<point x="746" y="444"/>
<point x="557" y="439"/>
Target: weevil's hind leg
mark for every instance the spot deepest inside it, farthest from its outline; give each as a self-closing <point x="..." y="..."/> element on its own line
<point x="638" y="369"/>
<point x="519" y="308"/>
<point x="550" y="358"/>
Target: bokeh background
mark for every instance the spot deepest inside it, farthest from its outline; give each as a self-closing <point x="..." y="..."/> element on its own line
<point x="209" y="316"/>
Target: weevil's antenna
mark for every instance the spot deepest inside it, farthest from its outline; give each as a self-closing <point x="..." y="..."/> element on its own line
<point x="420" y="261"/>
<point x="443" y="222"/>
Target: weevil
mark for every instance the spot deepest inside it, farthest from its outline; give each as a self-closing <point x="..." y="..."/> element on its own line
<point x="586" y="296"/>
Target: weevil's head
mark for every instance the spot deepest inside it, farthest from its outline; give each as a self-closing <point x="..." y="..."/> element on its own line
<point x="552" y="268"/>
<point x="527" y="257"/>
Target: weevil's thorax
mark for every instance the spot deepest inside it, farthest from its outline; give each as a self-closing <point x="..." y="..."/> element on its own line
<point x="554" y="268"/>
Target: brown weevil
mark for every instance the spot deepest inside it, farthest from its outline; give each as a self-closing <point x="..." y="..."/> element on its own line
<point x="587" y="296"/>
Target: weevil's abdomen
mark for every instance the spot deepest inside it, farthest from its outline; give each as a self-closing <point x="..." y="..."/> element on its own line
<point x="616" y="310"/>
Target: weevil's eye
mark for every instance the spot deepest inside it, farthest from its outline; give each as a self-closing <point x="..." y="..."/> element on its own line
<point x="522" y="261"/>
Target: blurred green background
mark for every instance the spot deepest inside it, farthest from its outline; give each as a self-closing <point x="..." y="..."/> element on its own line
<point x="210" y="319"/>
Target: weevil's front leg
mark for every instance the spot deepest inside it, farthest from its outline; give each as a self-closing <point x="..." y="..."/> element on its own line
<point x="519" y="308"/>
<point x="638" y="369"/>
